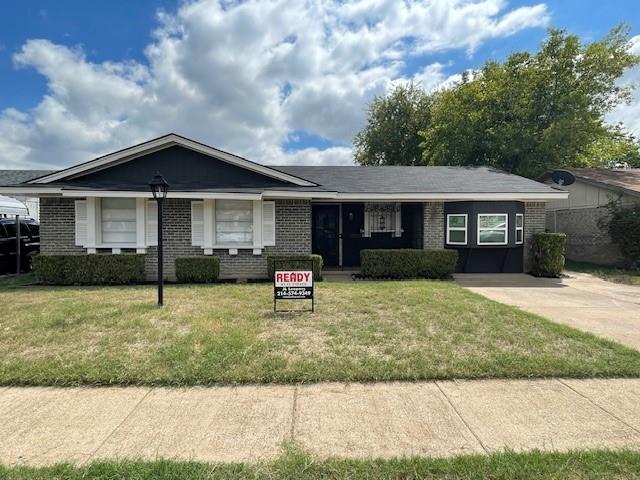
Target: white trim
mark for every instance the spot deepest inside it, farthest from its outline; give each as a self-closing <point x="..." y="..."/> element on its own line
<point x="292" y="194"/>
<point x="505" y="229"/>
<point x="519" y="229"/>
<point x="18" y="190"/>
<point x="164" y="142"/>
<point x="315" y="196"/>
<point x="458" y="229"/>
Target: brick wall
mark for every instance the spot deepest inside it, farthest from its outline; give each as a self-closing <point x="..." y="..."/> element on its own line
<point x="433" y="225"/>
<point x="293" y="235"/>
<point x="534" y="222"/>
<point x="57" y="227"/>
<point x="587" y="241"/>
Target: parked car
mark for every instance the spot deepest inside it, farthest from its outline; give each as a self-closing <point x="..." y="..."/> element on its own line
<point x="29" y="244"/>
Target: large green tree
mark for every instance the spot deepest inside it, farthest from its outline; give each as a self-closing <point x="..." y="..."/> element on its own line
<point x="393" y="122"/>
<point x="528" y="114"/>
<point x="533" y="112"/>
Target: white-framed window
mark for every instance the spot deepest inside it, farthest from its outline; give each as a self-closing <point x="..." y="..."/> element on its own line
<point x="519" y="228"/>
<point x="118" y="221"/>
<point x="493" y="229"/>
<point x="234" y="222"/>
<point x="457" y="229"/>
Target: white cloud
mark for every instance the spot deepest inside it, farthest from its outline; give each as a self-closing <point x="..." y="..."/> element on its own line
<point x="243" y="75"/>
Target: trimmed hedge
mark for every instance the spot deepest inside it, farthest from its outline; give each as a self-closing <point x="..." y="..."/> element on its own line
<point x="406" y="263"/>
<point x="197" y="269"/>
<point x="547" y="253"/>
<point x="92" y="269"/>
<point x="293" y="262"/>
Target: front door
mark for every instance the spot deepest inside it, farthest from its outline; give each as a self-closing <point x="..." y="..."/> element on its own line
<point x="352" y="233"/>
<point x="326" y="225"/>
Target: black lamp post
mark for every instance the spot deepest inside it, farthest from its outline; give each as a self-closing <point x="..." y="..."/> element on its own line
<point x="159" y="187"/>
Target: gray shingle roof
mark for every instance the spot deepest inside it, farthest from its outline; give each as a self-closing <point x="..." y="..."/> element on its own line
<point x="391" y="179"/>
<point x="399" y="179"/>
<point x="14" y="177"/>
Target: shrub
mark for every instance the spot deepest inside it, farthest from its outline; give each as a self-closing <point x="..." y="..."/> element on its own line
<point x="89" y="269"/>
<point x="547" y="252"/>
<point x="408" y="263"/>
<point x="624" y="230"/>
<point x="294" y="262"/>
<point x="197" y="269"/>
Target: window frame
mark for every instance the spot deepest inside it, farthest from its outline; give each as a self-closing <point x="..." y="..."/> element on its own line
<point x="464" y="229"/>
<point x="519" y="229"/>
<point x="99" y="226"/>
<point x="234" y="245"/>
<point x="505" y="229"/>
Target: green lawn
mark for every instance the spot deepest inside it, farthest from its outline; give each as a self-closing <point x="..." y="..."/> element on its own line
<point x="613" y="274"/>
<point x="298" y="466"/>
<point x="364" y="331"/>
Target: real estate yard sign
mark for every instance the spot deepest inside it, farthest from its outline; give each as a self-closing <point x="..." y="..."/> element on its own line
<point x="289" y="284"/>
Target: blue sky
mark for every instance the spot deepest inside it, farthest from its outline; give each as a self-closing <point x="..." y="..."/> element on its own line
<point x="79" y="78"/>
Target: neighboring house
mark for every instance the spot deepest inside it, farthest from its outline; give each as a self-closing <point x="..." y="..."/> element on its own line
<point x="13" y="177"/>
<point x="582" y="215"/>
<point x="224" y="205"/>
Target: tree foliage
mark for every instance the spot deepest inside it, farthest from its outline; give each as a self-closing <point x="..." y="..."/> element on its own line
<point x="531" y="113"/>
<point x="393" y="122"/>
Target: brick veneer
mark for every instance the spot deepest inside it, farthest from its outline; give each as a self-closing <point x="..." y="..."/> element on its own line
<point x="293" y="235"/>
<point x="534" y="222"/>
<point x="587" y="239"/>
<point x="433" y="225"/>
<point x="57" y="227"/>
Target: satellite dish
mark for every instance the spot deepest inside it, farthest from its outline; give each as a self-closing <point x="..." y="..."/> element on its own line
<point x="562" y="177"/>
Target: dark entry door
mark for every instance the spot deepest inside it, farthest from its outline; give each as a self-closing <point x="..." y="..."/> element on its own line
<point x="325" y="233"/>
<point x="352" y="232"/>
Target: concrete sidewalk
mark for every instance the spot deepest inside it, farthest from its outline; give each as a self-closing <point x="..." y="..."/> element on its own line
<point x="222" y="424"/>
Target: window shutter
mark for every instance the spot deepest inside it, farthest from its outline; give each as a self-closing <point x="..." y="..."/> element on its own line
<point x="269" y="224"/>
<point x="151" y="230"/>
<point x="197" y="224"/>
<point x="81" y="223"/>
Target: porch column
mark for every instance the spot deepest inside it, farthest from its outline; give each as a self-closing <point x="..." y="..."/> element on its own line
<point x="433" y="225"/>
<point x="534" y="222"/>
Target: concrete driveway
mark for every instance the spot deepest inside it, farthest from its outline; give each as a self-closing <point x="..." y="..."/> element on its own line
<point x="582" y="301"/>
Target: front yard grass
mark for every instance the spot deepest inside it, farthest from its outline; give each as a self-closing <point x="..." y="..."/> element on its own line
<point x="365" y="331"/>
<point x="612" y="274"/>
<point x="596" y="464"/>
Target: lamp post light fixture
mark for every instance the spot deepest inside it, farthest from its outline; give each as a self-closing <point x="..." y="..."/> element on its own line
<point x="159" y="187"/>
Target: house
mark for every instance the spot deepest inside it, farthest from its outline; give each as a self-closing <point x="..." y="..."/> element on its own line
<point x="582" y="216"/>
<point x="222" y="204"/>
<point x="32" y="204"/>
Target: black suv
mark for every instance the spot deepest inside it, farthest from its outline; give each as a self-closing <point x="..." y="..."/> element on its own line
<point x="29" y="243"/>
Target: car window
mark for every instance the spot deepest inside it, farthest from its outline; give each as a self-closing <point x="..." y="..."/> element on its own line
<point x="24" y="230"/>
<point x="3" y="233"/>
<point x="35" y="229"/>
<point x="11" y="229"/>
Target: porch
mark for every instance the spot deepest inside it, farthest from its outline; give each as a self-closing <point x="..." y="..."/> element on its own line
<point x="341" y="230"/>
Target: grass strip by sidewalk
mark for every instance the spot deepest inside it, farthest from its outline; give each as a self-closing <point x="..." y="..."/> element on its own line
<point x="365" y="331"/>
<point x="612" y="274"/>
<point x="582" y="465"/>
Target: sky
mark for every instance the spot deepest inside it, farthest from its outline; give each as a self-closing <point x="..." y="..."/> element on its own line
<point x="279" y="82"/>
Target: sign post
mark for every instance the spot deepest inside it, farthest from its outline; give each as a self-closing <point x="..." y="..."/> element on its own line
<point x="292" y="284"/>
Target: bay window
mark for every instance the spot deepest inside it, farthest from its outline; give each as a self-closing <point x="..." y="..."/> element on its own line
<point x="234" y="222"/>
<point x="519" y="228"/>
<point x="492" y="229"/>
<point x="457" y="229"/>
